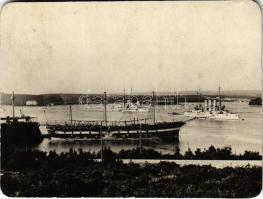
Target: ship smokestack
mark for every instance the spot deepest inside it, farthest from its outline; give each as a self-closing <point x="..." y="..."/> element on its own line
<point x="205" y="105"/>
<point x="214" y="105"/>
<point x="209" y="105"/>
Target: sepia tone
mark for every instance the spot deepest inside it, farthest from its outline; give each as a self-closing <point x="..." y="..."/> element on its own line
<point x="131" y="99"/>
<point x="146" y="46"/>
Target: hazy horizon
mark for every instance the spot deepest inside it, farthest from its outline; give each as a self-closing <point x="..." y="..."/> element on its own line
<point x="92" y="47"/>
<point x="127" y="92"/>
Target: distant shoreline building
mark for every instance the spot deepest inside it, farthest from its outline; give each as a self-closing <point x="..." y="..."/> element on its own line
<point x="31" y="103"/>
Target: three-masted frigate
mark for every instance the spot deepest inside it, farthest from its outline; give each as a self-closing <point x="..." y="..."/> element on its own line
<point x="136" y="128"/>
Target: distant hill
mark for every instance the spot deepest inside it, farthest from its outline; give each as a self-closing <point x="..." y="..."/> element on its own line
<point x="232" y="93"/>
<point x="43" y="99"/>
<point x="63" y="98"/>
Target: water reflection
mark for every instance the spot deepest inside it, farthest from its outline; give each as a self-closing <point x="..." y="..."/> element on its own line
<point x="61" y="145"/>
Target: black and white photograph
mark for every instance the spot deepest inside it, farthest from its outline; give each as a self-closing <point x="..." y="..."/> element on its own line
<point x="117" y="99"/>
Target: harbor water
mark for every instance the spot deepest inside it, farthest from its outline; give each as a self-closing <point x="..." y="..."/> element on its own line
<point x="243" y="134"/>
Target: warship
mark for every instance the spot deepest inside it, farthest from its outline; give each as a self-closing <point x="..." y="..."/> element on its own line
<point x="213" y="109"/>
<point x="129" y="106"/>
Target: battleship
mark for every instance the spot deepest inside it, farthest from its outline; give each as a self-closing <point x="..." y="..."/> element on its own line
<point x="213" y="109"/>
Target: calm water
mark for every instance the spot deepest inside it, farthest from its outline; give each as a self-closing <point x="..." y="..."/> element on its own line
<point x="241" y="135"/>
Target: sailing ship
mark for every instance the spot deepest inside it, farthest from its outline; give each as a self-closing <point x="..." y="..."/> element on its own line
<point x="212" y="110"/>
<point x="134" y="129"/>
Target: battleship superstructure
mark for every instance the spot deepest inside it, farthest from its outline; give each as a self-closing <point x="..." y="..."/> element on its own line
<point x="213" y="109"/>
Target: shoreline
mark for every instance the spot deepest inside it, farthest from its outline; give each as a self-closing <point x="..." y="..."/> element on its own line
<point x="71" y="174"/>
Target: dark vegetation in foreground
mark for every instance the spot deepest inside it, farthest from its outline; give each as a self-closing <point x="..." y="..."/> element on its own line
<point x="77" y="174"/>
<point x="211" y="153"/>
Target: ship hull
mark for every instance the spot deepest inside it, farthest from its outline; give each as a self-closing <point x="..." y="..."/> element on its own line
<point x="20" y="134"/>
<point x="212" y="115"/>
<point x="160" y="130"/>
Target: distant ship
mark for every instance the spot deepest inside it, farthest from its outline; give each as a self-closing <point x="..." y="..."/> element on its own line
<point x="134" y="107"/>
<point x="212" y="110"/>
<point x="129" y="107"/>
<point x="19" y="131"/>
<point x="105" y="129"/>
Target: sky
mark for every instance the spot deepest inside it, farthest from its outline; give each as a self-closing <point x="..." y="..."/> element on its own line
<point x="91" y="47"/>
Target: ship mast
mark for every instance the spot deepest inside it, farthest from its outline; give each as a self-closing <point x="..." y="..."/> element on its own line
<point x="130" y="98"/>
<point x="13" y="104"/>
<point x="70" y="114"/>
<point x="153" y="104"/>
<point x="124" y="98"/>
<point x="177" y="100"/>
<point x="219" y="94"/>
<point x="105" y="108"/>
<point x="101" y="142"/>
<point x="200" y="104"/>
